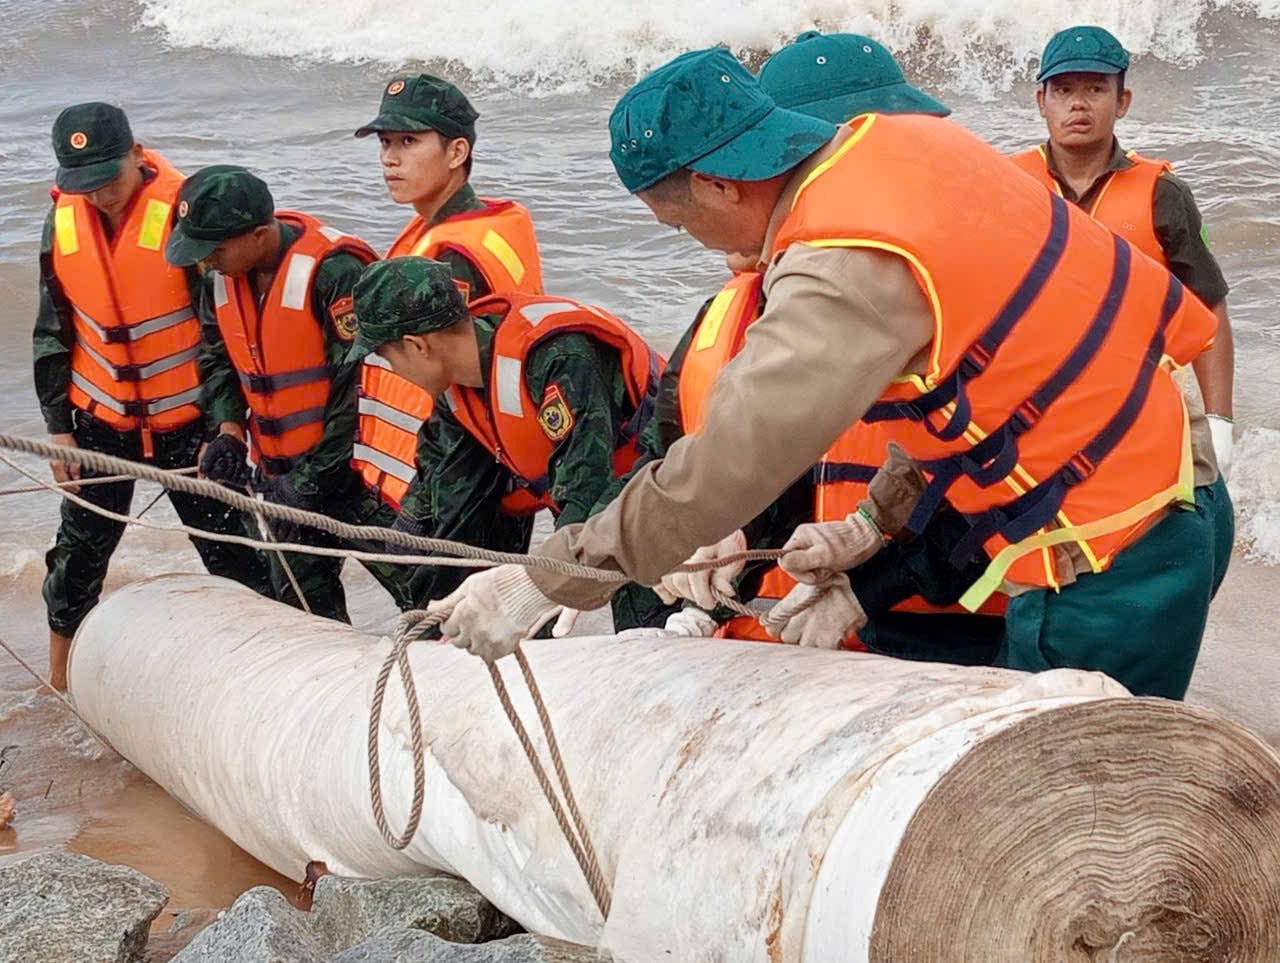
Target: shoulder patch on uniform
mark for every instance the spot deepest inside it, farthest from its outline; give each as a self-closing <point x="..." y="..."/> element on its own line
<point x="464" y="287"/>
<point x="554" y="416"/>
<point x="343" y="314"/>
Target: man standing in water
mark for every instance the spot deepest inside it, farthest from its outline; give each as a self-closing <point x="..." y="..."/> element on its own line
<point x="1082" y="95"/>
<point x="277" y="321"/>
<point x="961" y="326"/>
<point x="115" y="345"/>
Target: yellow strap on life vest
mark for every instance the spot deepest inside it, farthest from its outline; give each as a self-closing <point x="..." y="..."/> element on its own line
<point x="497" y="245"/>
<point x="709" y="330"/>
<point x="154" y="220"/>
<point x="64" y="226"/>
<point x="1182" y="491"/>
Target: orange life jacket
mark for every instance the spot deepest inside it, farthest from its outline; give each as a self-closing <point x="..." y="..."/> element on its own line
<point x="279" y="350"/>
<point x="500" y="241"/>
<point x="1125" y="203"/>
<point x="133" y="361"/>
<point x="1047" y="413"/>
<point x="841" y="478"/>
<point x="507" y="422"/>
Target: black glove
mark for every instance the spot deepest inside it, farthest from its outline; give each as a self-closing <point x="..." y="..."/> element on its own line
<point x="410" y="526"/>
<point x="226" y="460"/>
<point x="280" y="491"/>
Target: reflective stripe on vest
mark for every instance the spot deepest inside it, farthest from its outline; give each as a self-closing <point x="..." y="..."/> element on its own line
<point x="510" y="428"/>
<point x="385" y="463"/>
<point x="136" y="336"/>
<point x="1125" y="203"/>
<point x="279" y="349"/>
<point x="1039" y="304"/>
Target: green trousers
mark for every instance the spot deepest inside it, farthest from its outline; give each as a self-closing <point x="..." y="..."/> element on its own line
<point x="77" y="562"/>
<point x="1140" y="621"/>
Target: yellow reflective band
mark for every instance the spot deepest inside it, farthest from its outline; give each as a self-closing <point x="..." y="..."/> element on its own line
<point x="64" y="226"/>
<point x="1182" y="491"/>
<point x="154" y="221"/>
<point x="504" y="252"/>
<point x="709" y="330"/>
<point x="420" y="249"/>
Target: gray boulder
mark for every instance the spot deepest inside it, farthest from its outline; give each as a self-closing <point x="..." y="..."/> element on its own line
<point x="415" y="946"/>
<point x="346" y="911"/>
<point x="260" y="927"/>
<point x="67" y="908"/>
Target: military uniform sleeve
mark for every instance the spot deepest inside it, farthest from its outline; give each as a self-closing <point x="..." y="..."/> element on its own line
<point x="1185" y="240"/>
<point x="327" y="464"/>
<point x="457" y="495"/>
<point x="839" y="326"/>
<point x="221" y="396"/>
<point x="577" y="384"/>
<point x="51" y="342"/>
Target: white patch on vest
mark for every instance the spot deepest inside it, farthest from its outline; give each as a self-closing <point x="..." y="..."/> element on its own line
<point x="537" y="313"/>
<point x="297" y="282"/>
<point x="510" y="371"/>
<point x="450" y="399"/>
<point x="332" y="233"/>
<point x="221" y="291"/>
<point x="377" y="360"/>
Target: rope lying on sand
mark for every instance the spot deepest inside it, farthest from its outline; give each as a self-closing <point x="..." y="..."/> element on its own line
<point x="411" y="626"/>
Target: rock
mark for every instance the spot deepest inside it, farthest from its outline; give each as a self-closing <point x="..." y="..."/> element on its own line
<point x="163" y="947"/>
<point x="260" y="927"/>
<point x="345" y="911"/>
<point x="415" y="946"/>
<point x="58" y="907"/>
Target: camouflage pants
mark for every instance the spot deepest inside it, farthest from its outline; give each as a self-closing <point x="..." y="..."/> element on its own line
<point x="77" y="562"/>
<point x="319" y="576"/>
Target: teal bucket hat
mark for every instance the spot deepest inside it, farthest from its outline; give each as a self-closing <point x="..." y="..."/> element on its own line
<point x="837" y="76"/>
<point x="1082" y="50"/>
<point x="706" y="112"/>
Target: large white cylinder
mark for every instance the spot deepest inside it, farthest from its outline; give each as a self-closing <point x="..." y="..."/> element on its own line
<point x="748" y="802"/>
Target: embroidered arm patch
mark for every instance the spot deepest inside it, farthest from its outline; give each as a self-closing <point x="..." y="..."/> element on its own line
<point x="554" y="416"/>
<point x="343" y="314"/>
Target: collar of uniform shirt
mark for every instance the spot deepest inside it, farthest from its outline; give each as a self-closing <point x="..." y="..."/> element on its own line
<point x="1119" y="161"/>
<point x="788" y="195"/>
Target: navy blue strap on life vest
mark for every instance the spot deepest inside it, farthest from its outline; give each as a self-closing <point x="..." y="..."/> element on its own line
<point x="648" y="404"/>
<point x="979" y="355"/>
<point x="831" y="472"/>
<point x="1037" y="508"/>
<point x="992" y="459"/>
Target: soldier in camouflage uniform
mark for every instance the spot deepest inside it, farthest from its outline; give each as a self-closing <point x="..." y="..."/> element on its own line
<point x="100" y="161"/>
<point x="414" y="316"/>
<point x="228" y="223"/>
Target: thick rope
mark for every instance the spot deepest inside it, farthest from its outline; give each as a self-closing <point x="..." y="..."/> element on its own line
<point x="83" y="482"/>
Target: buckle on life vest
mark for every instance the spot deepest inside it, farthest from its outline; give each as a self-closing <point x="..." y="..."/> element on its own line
<point x="1080" y="467"/>
<point x="136" y="409"/>
<point x="257" y="383"/>
<point x="116" y="335"/>
<point x="1024" y="418"/>
<point x="129" y="372"/>
<point x="975" y="361"/>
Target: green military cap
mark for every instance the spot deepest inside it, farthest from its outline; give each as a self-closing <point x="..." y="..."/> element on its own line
<point x="1082" y="50"/>
<point x="837" y="76"/>
<point x="214" y="204"/>
<point x="403" y="295"/>
<point x="90" y="142"/>
<point x="424" y="102"/>
<point x="705" y="111"/>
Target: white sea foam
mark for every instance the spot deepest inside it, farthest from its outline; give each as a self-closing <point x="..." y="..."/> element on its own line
<point x="1255" y="489"/>
<point x="540" y="46"/>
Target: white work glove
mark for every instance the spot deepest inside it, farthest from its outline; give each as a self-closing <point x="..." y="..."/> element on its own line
<point x="1222" y="431"/>
<point x="494" y="611"/>
<point x="688" y="623"/>
<point x="700" y="587"/>
<point x="819" y="549"/>
<point x="821" y="616"/>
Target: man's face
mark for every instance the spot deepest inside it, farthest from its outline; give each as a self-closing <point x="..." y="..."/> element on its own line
<point x="418" y="165"/>
<point x="1081" y="110"/>
<point x="112" y="198"/>
<point x="712" y="212"/>
<point x="413" y="358"/>
<point x="236" y="256"/>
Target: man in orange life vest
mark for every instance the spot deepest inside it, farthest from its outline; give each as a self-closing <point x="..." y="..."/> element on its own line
<point x="908" y="591"/>
<point x="427" y="132"/>
<point x="1082" y="95"/>
<point x="539" y="403"/>
<point x="115" y="346"/>
<point x="277" y="321"/>
<point x="973" y="331"/>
